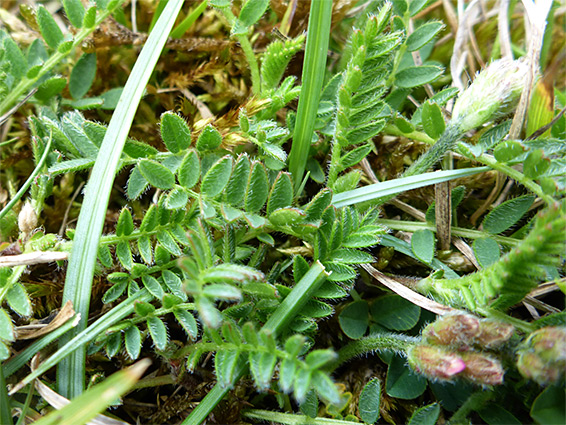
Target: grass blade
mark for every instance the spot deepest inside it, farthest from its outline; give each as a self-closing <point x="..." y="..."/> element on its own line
<point x="318" y="34"/>
<point x="78" y="283"/>
<point x="122" y="310"/>
<point x="393" y="187"/>
<point x="96" y="399"/>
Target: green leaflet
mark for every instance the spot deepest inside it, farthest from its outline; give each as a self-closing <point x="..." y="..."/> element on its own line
<point x="216" y="178"/>
<point x="189" y="170"/>
<point x="175" y="132"/>
<point x="50" y="31"/>
<point x="156" y="174"/>
<point x="257" y="189"/>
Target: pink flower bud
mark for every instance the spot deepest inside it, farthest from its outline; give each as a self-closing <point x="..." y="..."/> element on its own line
<point x="482" y="369"/>
<point x="453" y="329"/>
<point x="493" y="333"/>
<point x="543" y="357"/>
<point x="434" y="362"/>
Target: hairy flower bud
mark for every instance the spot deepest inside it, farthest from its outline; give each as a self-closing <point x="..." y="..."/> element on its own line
<point x="27" y="219"/>
<point x="543" y="357"/>
<point x="453" y="329"/>
<point x="493" y="333"/>
<point x="434" y="362"/>
<point x="493" y="93"/>
<point x="482" y="369"/>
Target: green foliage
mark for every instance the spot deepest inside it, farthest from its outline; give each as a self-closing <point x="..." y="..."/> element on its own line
<point x="508" y="280"/>
<point x="221" y="246"/>
<point x="361" y="112"/>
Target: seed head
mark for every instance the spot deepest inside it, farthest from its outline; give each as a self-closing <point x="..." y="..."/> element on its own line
<point x="27" y="219"/>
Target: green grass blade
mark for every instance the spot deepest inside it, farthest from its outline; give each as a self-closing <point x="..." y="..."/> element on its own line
<point x="96" y="399"/>
<point x="318" y="34"/>
<point x="78" y="283"/>
<point x="186" y="23"/>
<point x="393" y="187"/>
<point x="125" y="308"/>
<point x="5" y="408"/>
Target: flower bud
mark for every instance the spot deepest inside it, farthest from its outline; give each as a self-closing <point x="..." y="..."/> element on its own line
<point x="493" y="93"/>
<point x="27" y="219"/>
<point x="434" y="362"/>
<point x="482" y="369"/>
<point x="453" y="329"/>
<point x="543" y="357"/>
<point x="493" y="333"/>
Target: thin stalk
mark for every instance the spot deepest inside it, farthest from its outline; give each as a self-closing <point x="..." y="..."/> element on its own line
<point x="509" y="171"/>
<point x="28" y="182"/>
<point x="411" y="226"/>
<point x="248" y="52"/>
<point x="475" y="402"/>
<point x="78" y="283"/>
<point x="370" y="344"/>
<point x="26" y="406"/>
<point x="318" y="34"/>
<point x="25" y="83"/>
<point x="296" y="299"/>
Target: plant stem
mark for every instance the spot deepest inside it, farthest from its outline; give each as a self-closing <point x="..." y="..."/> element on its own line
<point x="370" y="344"/>
<point x="248" y="52"/>
<point x="28" y="182"/>
<point x="509" y="171"/>
<point x="474" y="402"/>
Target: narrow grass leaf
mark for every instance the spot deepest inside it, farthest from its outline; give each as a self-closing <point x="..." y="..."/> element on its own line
<point x="97" y="398"/>
<point x="318" y="34"/>
<point x="78" y="282"/>
<point x="392" y="187"/>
